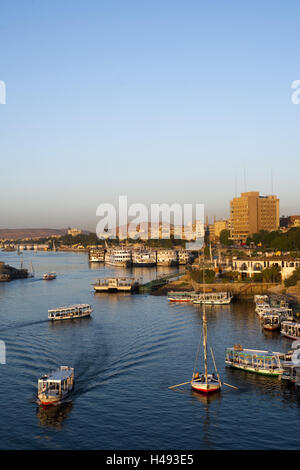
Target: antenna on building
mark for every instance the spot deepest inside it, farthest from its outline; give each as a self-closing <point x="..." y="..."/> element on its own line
<point x="235" y="186"/>
<point x="272" y="182"/>
<point x="245" y="182"/>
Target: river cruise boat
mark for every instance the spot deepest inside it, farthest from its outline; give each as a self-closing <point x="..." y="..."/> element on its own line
<point x="70" y="312"/>
<point x="55" y="386"/>
<point x="256" y="361"/>
<point x="118" y="257"/>
<point x="116" y="284"/>
<point x="181" y="296"/>
<point x="214" y="298"/>
<point x="143" y="259"/>
<point x="49" y="276"/>
<point x="290" y="329"/>
<point x="96" y="255"/>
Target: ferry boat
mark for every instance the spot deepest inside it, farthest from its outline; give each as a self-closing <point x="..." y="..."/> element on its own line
<point x="271" y="321"/>
<point x="70" y="312"/>
<point x="118" y="257"/>
<point x="273" y="317"/>
<point x="290" y="329"/>
<point x="49" y="276"/>
<point x="55" y="386"/>
<point x="261" y="308"/>
<point x="256" y="361"/>
<point x="214" y="298"/>
<point x="115" y="284"/>
<point x="181" y="296"/>
<point x="143" y="259"/>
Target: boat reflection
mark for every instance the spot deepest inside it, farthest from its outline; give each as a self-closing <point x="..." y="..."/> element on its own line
<point x="54" y="416"/>
<point x="206" y="399"/>
<point x="63" y="324"/>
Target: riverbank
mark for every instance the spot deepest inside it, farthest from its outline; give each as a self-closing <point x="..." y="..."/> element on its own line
<point x="240" y="290"/>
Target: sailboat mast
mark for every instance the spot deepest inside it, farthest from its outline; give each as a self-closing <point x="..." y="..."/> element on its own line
<point x="204" y="323"/>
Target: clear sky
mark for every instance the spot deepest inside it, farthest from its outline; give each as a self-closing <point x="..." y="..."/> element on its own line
<point x="161" y="100"/>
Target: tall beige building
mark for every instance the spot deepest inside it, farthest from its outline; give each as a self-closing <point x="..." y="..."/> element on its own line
<point x="251" y="213"/>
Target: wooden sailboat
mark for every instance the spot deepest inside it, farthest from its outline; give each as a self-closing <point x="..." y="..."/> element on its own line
<point x="205" y="382"/>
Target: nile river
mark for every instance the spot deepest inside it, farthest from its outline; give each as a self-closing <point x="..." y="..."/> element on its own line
<point x="125" y="358"/>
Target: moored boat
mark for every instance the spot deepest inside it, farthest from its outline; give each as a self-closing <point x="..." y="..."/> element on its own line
<point x="55" y="386"/>
<point x="256" y="361"/>
<point x="271" y="321"/>
<point x="70" y="312"/>
<point x="116" y="284"/>
<point x="290" y="329"/>
<point x="213" y="298"/>
<point x="118" y="257"/>
<point x="181" y="296"/>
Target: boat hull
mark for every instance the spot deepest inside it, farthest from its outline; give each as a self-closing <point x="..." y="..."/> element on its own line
<point x="205" y="387"/>
<point x="256" y="370"/>
<point x="290" y="336"/>
<point x="272" y="327"/>
<point x="74" y="317"/>
<point x="45" y="400"/>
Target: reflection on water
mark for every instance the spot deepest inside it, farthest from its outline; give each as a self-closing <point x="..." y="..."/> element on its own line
<point x="54" y="416"/>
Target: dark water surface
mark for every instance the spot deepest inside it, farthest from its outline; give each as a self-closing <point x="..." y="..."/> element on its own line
<point x="125" y="357"/>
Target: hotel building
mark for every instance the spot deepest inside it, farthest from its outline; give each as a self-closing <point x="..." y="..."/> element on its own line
<point x="251" y="213"/>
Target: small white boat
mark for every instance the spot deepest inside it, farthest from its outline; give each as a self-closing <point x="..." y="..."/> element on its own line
<point x="71" y="312"/>
<point x="181" y="296"/>
<point x="55" y="386"/>
<point x="49" y="276"/>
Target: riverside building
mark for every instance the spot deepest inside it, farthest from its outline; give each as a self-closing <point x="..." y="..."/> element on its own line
<point x="250" y="213"/>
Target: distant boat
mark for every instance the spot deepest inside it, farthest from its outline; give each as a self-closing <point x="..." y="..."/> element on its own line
<point x="49" y="276"/>
<point x="55" y="386"/>
<point x="183" y="296"/>
<point x="116" y="284"/>
<point x="213" y="298"/>
<point x="70" y="312"/>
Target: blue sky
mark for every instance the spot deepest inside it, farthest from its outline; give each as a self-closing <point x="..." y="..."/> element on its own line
<point x="162" y="101"/>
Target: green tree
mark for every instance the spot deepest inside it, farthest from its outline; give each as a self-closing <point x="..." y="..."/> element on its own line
<point x="224" y="237"/>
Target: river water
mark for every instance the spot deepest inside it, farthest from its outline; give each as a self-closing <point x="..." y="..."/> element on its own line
<point x="125" y="357"/>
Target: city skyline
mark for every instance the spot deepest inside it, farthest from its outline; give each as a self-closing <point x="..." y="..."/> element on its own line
<point x="164" y="103"/>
